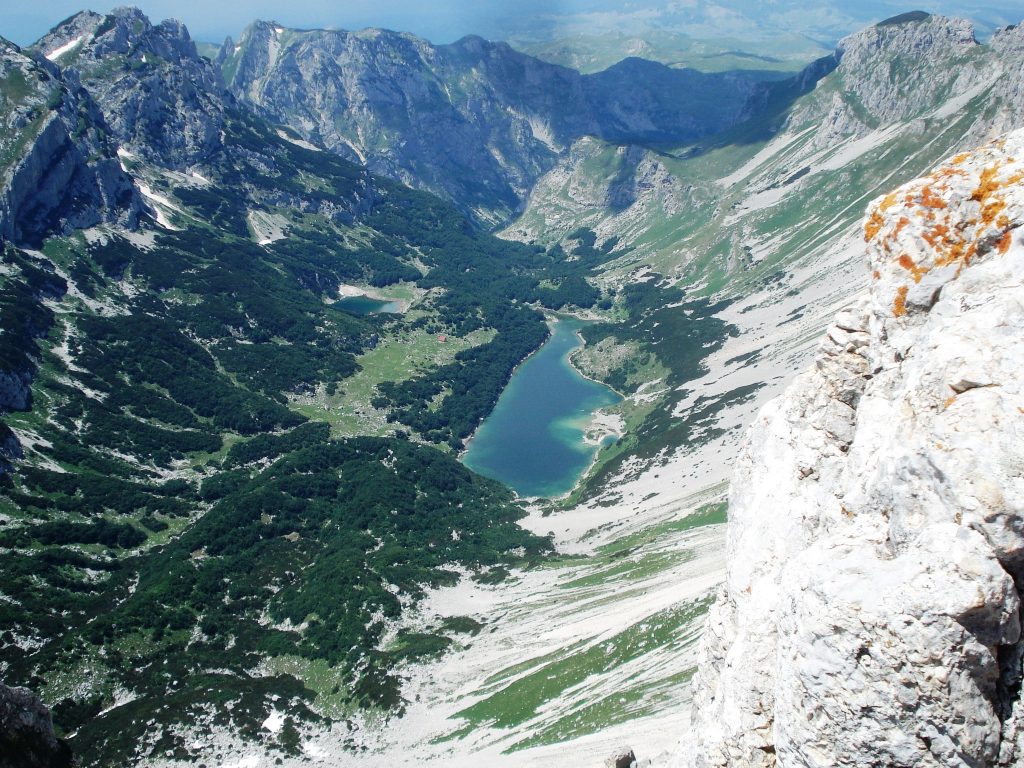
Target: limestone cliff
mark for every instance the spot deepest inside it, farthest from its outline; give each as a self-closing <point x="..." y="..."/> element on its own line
<point x="162" y="100"/>
<point x="58" y="165"/>
<point x="473" y="121"/>
<point x="871" y="612"/>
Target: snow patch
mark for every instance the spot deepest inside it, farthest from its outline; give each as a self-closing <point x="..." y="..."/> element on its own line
<point x="159" y="204"/>
<point x="56" y="53"/>
<point x="275" y="722"/>
<point x="306" y="145"/>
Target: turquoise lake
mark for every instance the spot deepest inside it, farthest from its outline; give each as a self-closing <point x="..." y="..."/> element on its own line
<point x="364" y="305"/>
<point x="533" y="440"/>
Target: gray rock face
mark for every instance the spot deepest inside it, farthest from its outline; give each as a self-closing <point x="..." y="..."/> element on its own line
<point x="27" y="739"/>
<point x="57" y="160"/>
<point x="15" y="390"/>
<point x="163" y="101"/>
<point x="898" y="72"/>
<point x="474" y="121"/>
<point x="871" y="613"/>
<point x="886" y="63"/>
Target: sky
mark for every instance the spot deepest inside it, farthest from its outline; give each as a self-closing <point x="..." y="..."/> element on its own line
<point x="440" y="21"/>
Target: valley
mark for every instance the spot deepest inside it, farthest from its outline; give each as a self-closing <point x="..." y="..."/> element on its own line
<point x="302" y="454"/>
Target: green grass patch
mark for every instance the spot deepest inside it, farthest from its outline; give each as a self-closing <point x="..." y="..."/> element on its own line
<point x="523" y="698"/>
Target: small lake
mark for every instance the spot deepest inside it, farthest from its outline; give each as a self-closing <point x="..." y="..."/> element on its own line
<point x="533" y="441"/>
<point x="364" y="305"/>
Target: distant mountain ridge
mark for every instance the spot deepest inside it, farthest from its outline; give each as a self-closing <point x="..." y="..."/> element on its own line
<point x="474" y="121"/>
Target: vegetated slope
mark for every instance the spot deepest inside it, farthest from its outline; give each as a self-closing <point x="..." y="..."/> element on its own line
<point x="185" y="544"/>
<point x="871" y="611"/>
<point x="474" y="121"/>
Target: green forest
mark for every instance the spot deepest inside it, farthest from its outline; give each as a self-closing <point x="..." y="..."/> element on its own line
<point x="166" y="509"/>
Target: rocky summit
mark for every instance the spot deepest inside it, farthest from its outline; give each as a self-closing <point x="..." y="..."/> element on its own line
<point x="161" y="99"/>
<point x="871" y="612"/>
<point x="58" y="164"/>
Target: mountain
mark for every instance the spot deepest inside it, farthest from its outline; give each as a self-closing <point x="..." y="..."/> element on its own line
<point x="232" y="524"/>
<point x="162" y="101"/>
<point x="871" y="610"/>
<point x="58" y="164"/>
<point x="917" y="88"/>
<point x="474" y="121"/>
<point x="176" y="409"/>
<point x="727" y="277"/>
<point x="766" y="205"/>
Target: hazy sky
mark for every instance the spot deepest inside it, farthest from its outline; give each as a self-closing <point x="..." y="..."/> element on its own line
<point x="24" y="21"/>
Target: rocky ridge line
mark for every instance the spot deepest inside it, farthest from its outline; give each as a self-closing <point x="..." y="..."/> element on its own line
<point x="474" y="121"/>
<point x="871" y="612"/>
<point x="58" y="164"/>
<point x="162" y="100"/>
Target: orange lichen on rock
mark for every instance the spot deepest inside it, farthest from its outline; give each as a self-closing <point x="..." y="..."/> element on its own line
<point x="947" y="173"/>
<point x="939" y="227"/>
<point x="990" y="210"/>
<point x="930" y="200"/>
<point x="935" y="234"/>
<point x="899" y="305"/>
<point x="949" y="401"/>
<point x="987" y="187"/>
<point x="908" y="264"/>
<point x="873" y="225"/>
<point x="986" y="184"/>
<point x="961" y="252"/>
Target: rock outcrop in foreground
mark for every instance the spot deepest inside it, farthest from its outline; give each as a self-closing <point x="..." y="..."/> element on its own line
<point x="27" y="739"/>
<point x="871" y="613"/>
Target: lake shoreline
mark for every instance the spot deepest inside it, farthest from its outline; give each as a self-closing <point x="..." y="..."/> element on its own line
<point x="547" y="428"/>
<point x="346" y="291"/>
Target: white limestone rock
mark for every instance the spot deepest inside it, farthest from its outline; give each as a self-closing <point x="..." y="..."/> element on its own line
<point x="871" y="613"/>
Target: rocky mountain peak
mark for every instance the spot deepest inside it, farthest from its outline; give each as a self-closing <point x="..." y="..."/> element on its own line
<point x="58" y="165"/>
<point x="912" y="34"/>
<point x="161" y="99"/>
<point x="121" y="31"/>
<point x="871" y="611"/>
<point x="906" y="68"/>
